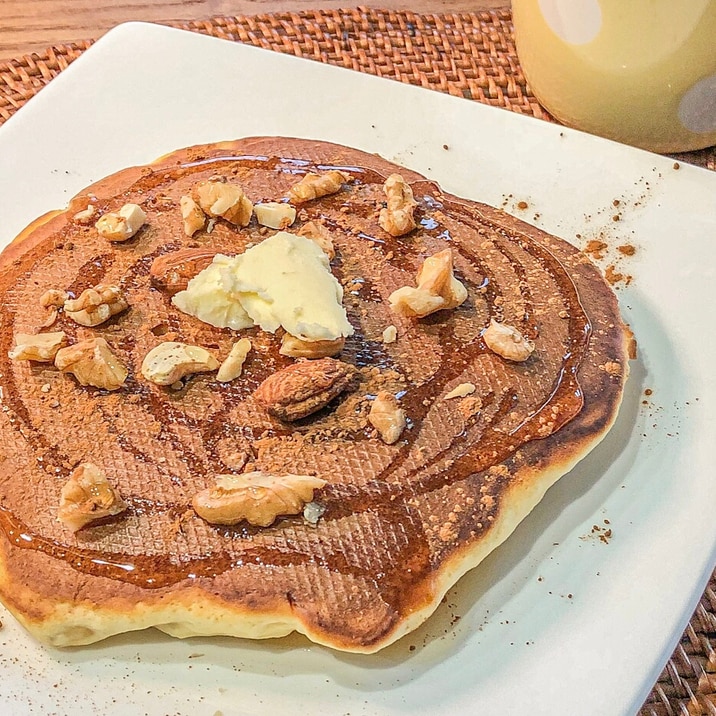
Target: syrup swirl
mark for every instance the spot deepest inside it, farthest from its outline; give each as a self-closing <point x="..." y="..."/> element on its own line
<point x="491" y="437"/>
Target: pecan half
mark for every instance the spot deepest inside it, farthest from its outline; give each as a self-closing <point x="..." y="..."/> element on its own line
<point x="172" y="272"/>
<point x="303" y="388"/>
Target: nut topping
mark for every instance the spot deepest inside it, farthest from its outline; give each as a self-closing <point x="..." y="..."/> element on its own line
<point x="233" y="364"/>
<point x="303" y="388"/>
<point x="390" y="334"/>
<point x="40" y="347"/>
<point x="275" y="215"/>
<point x="123" y="224"/>
<point x="507" y="341"/>
<point x="314" y="186"/>
<point x="319" y="233"/>
<point x="220" y="198"/>
<point x="387" y="417"/>
<point x="297" y="348"/>
<point x="194" y="218"/>
<point x="172" y="272"/>
<point x="92" y="363"/>
<point x="95" y="305"/>
<point x="169" y="362"/>
<point x="87" y="496"/>
<point x="460" y="391"/>
<point x="398" y="217"/>
<point x="54" y="297"/>
<point x="437" y="289"/>
<point x="85" y="216"/>
<point x="257" y="497"/>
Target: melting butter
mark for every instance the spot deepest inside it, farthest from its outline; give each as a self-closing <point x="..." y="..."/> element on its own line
<point x="285" y="281"/>
<point x="210" y="296"/>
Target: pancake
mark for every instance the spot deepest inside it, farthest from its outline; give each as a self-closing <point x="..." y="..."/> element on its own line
<point x="392" y="518"/>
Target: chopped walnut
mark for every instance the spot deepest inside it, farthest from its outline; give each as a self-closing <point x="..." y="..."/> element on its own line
<point x="612" y="367"/>
<point x="460" y="391"/>
<point x="319" y="233"/>
<point x="220" y="198"/>
<point x="40" y="347"/>
<point x="123" y="224"/>
<point x="390" y="334"/>
<point x="193" y="217"/>
<point x="87" y="496"/>
<point x="297" y="348"/>
<point x="314" y="186"/>
<point x="275" y="215"/>
<point x="92" y="362"/>
<point x="312" y="512"/>
<point x="54" y="297"/>
<point x="507" y="341"/>
<point x="85" y="216"/>
<point x="437" y="289"/>
<point x="95" y="305"/>
<point x="169" y="362"/>
<point x="387" y="417"/>
<point x="398" y="217"/>
<point x="256" y="497"/>
<point x="233" y="364"/>
<point x="52" y="315"/>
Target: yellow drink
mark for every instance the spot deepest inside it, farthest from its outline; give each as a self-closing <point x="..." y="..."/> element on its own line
<point x="642" y="72"/>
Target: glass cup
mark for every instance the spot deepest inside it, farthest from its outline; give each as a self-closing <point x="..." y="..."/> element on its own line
<point x="641" y="72"/>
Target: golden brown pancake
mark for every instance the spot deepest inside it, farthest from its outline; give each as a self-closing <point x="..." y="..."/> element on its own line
<point x="401" y="523"/>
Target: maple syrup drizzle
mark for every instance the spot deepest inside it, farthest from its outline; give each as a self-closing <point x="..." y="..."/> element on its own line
<point x="478" y="447"/>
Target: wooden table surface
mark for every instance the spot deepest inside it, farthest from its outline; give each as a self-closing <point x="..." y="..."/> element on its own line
<point x="33" y="25"/>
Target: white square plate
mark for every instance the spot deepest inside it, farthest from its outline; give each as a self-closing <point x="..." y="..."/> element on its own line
<point x="565" y="618"/>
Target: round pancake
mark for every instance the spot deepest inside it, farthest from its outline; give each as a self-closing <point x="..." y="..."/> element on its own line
<point x="401" y="522"/>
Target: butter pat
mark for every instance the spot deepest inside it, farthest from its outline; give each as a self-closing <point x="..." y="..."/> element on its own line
<point x="285" y="281"/>
<point x="210" y="296"/>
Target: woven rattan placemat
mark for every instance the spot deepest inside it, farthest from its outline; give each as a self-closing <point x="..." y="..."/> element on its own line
<point x="470" y="55"/>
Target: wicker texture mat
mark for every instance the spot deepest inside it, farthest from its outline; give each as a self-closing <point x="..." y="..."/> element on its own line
<point x="470" y="55"/>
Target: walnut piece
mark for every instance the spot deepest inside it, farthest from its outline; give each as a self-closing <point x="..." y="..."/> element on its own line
<point x="85" y="216"/>
<point x="87" y="496"/>
<point x="437" y="289"/>
<point x="233" y="364"/>
<point x="319" y="233"/>
<point x="40" y="347"/>
<point x="297" y="348"/>
<point x="390" y="334"/>
<point x="275" y="215"/>
<point x="256" y="497"/>
<point x="193" y="217"/>
<point x="398" y="217"/>
<point x="170" y="361"/>
<point x="387" y="417"/>
<point x="172" y="272"/>
<point x="96" y="305"/>
<point x="303" y="388"/>
<point x="314" y="186"/>
<point x="123" y="224"/>
<point x="219" y="198"/>
<point x="92" y="362"/>
<point x="54" y="297"/>
<point x="507" y="341"/>
<point x="460" y="391"/>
